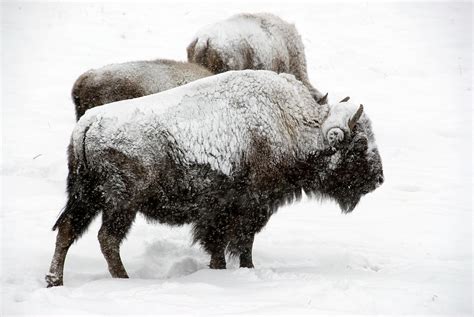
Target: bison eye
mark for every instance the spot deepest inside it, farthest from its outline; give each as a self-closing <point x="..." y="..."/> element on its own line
<point x="360" y="143"/>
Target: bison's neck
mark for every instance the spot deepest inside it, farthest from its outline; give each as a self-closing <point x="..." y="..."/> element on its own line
<point x="308" y="173"/>
<point x="283" y="182"/>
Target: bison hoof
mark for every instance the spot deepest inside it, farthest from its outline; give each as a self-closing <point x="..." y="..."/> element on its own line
<point x="217" y="266"/>
<point x="247" y="265"/>
<point x="53" y="280"/>
<point x="335" y="136"/>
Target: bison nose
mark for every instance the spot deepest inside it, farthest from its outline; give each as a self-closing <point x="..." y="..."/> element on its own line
<point x="380" y="180"/>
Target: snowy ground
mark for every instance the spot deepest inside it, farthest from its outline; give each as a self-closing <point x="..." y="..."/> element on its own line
<point x="406" y="249"/>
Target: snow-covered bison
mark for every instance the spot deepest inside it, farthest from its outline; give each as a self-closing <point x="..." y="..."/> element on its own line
<point x="221" y="153"/>
<point x="252" y="41"/>
<point x="129" y="80"/>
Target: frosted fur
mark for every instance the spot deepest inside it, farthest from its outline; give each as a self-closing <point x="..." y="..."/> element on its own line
<point x="212" y="121"/>
<point x="339" y="116"/>
<point x="252" y="41"/>
<point x="229" y="36"/>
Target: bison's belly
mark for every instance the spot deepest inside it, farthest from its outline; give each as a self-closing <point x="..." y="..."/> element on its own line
<point x="180" y="195"/>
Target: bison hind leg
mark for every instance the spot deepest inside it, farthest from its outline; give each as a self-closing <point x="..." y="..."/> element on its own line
<point x="116" y="223"/>
<point x="72" y="223"/>
<point x="64" y="240"/>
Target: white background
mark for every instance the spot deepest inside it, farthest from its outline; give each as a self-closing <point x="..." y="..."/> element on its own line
<point x="407" y="247"/>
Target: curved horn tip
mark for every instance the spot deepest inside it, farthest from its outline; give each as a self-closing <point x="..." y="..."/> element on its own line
<point x="345" y="99"/>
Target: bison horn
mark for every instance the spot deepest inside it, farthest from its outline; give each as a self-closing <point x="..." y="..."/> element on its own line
<point x="352" y="121"/>
<point x="345" y="99"/>
<point x="323" y="100"/>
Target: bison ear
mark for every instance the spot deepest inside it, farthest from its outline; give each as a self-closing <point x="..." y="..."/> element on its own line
<point x="345" y="99"/>
<point x="323" y="100"/>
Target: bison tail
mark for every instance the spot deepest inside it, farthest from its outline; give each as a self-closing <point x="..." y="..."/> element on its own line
<point x="78" y="215"/>
<point x="60" y="220"/>
<point x="84" y="202"/>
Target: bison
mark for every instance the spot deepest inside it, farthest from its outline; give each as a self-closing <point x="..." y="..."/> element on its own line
<point x="129" y="80"/>
<point x="252" y="41"/>
<point x="222" y="153"/>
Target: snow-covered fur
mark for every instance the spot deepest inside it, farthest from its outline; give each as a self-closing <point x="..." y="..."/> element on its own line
<point x="252" y="41"/>
<point x="129" y="80"/>
<point x="221" y="153"/>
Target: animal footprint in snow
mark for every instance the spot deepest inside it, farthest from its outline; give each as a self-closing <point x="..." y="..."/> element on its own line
<point x="335" y="136"/>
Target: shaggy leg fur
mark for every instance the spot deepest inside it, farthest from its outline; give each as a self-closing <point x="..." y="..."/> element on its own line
<point x="245" y="227"/>
<point x="64" y="240"/>
<point x="113" y="230"/>
<point x="217" y="250"/>
<point x="212" y="232"/>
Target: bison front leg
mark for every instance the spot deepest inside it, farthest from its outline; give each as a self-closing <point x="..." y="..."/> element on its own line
<point x="212" y="232"/>
<point x="218" y="260"/>
<point x="246" y="255"/>
<point x="216" y="245"/>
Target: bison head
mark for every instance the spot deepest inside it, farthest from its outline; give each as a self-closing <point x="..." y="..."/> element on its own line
<point x="354" y="167"/>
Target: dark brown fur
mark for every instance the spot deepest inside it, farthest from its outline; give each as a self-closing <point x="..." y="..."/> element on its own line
<point x="89" y="94"/>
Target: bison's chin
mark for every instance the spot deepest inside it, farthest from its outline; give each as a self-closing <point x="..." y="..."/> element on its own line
<point x="347" y="204"/>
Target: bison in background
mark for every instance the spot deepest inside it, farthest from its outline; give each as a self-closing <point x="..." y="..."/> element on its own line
<point x="129" y="80"/>
<point x="252" y="41"/>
